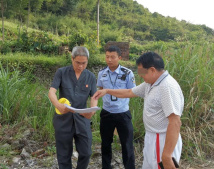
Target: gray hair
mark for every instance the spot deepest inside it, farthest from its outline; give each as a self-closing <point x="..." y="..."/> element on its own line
<point x="80" y="51"/>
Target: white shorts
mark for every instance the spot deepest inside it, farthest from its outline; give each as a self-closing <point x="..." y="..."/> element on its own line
<point x="152" y="151"/>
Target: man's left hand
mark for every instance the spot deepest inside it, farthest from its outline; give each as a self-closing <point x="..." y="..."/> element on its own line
<point x="168" y="163"/>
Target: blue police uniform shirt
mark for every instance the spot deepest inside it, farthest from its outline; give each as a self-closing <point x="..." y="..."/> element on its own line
<point x="121" y="78"/>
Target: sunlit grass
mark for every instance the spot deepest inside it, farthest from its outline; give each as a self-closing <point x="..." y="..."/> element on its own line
<point x="193" y="68"/>
<point x="20" y="99"/>
<point x="12" y="29"/>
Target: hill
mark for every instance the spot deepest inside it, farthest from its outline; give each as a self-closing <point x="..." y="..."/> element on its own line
<point x="120" y="20"/>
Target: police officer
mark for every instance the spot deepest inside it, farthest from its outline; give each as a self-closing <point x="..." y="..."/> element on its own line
<point x="115" y="112"/>
<point x="76" y="84"/>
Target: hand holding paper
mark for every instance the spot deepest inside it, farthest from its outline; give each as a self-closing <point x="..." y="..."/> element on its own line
<point x="86" y="110"/>
<point x="62" y="109"/>
<point x="74" y="110"/>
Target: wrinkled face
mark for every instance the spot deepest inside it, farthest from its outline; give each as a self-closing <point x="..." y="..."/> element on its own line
<point x="145" y="73"/>
<point x="79" y="63"/>
<point x="112" y="59"/>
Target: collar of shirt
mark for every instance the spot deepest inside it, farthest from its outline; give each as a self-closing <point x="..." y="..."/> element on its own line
<point x="116" y="71"/>
<point x="159" y="80"/>
<point x="73" y="75"/>
<point x="72" y="69"/>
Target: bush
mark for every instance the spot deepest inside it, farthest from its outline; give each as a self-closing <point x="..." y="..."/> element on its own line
<point x="5" y="47"/>
<point x="77" y="39"/>
<point x="32" y="42"/>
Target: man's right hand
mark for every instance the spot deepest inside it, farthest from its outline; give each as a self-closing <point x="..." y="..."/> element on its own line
<point x="63" y="109"/>
<point x="99" y="93"/>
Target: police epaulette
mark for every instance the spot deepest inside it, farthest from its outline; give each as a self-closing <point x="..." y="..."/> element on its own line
<point x="126" y="71"/>
<point x="103" y="68"/>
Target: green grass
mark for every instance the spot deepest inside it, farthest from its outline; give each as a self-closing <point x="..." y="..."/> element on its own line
<point x="3" y="166"/>
<point x="4" y="152"/>
<point x="21" y="100"/>
<point x="193" y="68"/>
<point x="32" y="58"/>
<point x="12" y="30"/>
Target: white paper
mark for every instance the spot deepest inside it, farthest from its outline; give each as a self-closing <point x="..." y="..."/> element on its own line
<point x="87" y="110"/>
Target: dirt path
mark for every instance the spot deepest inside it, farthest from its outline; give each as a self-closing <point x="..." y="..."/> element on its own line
<point x="20" y="150"/>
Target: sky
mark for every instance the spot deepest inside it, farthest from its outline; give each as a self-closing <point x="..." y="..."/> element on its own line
<point x="193" y="11"/>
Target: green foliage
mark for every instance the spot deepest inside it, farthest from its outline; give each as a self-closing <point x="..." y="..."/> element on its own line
<point x="52" y="5"/>
<point x="4" y="152"/>
<point x="51" y="150"/>
<point x="35" y="5"/>
<point x="77" y="39"/>
<point x="28" y="62"/>
<point x="81" y="39"/>
<point x="92" y="45"/>
<point x="134" y="20"/>
<point x="136" y="108"/>
<point x="32" y="42"/>
<point x="193" y="66"/>
<point x="3" y="166"/>
<point x="110" y="34"/>
<point x="84" y="9"/>
<point x="6" y="47"/>
<point x="95" y="60"/>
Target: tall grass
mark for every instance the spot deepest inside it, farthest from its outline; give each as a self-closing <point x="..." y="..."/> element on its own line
<point x="193" y="68"/>
<point x="23" y="100"/>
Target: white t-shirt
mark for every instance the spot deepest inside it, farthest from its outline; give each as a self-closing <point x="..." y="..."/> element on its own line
<point x="161" y="99"/>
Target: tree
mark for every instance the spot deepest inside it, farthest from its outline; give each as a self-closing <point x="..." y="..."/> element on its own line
<point x="68" y="7"/>
<point x="52" y="5"/>
<point x="98" y="20"/>
<point x="4" y="4"/>
<point x="2" y="15"/>
<point x="18" y="7"/>
<point x="36" y="5"/>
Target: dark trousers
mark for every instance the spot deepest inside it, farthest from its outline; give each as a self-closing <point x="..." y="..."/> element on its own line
<point x="121" y="121"/>
<point x="64" y="146"/>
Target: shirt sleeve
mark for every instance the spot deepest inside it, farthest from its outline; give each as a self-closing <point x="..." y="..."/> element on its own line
<point x="57" y="79"/>
<point x="131" y="81"/>
<point x="93" y="86"/>
<point x="99" y="84"/>
<point x="171" y="101"/>
<point x="140" y="90"/>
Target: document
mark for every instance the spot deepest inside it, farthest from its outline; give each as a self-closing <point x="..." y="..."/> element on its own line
<point x="86" y="110"/>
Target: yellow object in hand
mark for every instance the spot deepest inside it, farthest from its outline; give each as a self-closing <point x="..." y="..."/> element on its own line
<point x="63" y="101"/>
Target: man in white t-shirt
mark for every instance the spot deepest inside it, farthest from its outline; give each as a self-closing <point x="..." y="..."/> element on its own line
<point x="163" y="106"/>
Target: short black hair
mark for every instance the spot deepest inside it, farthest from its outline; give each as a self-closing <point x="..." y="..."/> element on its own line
<point x="151" y="59"/>
<point x="114" y="49"/>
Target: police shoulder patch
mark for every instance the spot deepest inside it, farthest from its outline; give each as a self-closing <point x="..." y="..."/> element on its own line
<point x="126" y="71"/>
<point x="103" y="68"/>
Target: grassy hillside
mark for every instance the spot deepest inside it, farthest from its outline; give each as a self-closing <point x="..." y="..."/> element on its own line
<point x="120" y="20"/>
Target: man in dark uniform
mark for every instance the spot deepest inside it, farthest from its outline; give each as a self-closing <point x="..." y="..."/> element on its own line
<point x="76" y="84"/>
<point x="115" y="112"/>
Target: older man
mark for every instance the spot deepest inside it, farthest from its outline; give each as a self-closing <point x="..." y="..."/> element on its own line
<point x="76" y="84"/>
<point x="163" y="106"/>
